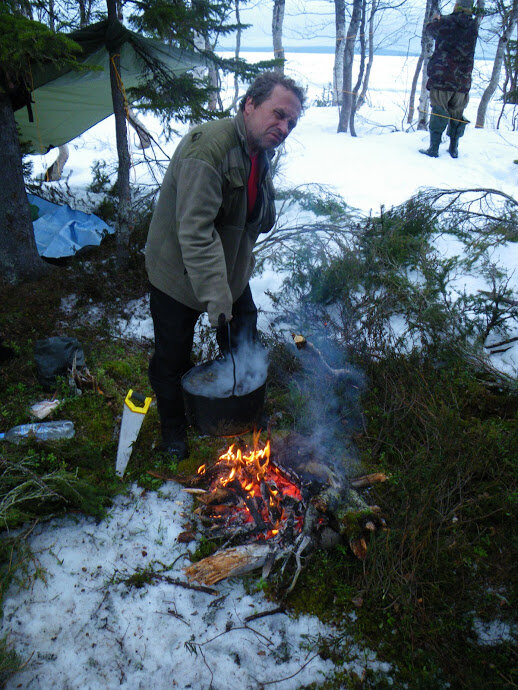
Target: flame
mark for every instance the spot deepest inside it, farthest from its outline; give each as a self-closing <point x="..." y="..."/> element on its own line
<point x="261" y="486"/>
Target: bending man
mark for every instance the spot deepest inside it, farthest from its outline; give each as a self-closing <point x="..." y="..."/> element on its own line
<point x="216" y="197"/>
<point x="449" y="74"/>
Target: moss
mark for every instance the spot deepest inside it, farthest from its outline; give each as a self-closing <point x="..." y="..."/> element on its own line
<point x="206" y="547"/>
<point x="9" y="660"/>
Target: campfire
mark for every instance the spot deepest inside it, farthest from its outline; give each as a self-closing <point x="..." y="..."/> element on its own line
<point x="249" y="496"/>
<point x="275" y="500"/>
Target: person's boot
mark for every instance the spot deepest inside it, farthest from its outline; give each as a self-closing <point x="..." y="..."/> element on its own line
<point x="438" y="122"/>
<point x="173" y="426"/>
<point x="455" y="131"/>
<point x="433" y="149"/>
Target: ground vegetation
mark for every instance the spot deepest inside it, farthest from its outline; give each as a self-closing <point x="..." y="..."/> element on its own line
<point x="433" y="415"/>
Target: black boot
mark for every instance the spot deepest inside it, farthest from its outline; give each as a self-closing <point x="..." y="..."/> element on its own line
<point x="433" y="149"/>
<point x="173" y="426"/>
<point x="438" y="122"/>
<point x="455" y="131"/>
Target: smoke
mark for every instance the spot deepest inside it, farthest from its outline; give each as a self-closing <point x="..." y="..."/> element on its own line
<point x="329" y="393"/>
<point x="216" y="379"/>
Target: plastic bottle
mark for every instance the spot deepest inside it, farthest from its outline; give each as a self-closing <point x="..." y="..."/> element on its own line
<point x="43" y="431"/>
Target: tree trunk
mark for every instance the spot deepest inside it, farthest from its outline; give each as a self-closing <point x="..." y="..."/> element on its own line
<point x="508" y="24"/>
<point x="347" y="82"/>
<point x="85" y="13"/>
<point x="214" y="81"/>
<point x="338" y="69"/>
<point x="121" y="135"/>
<point x="422" y="61"/>
<point x="360" y="71"/>
<point x="19" y="258"/>
<point x="415" y="78"/>
<point x="236" y="55"/>
<point x="427" y="43"/>
<point x="363" y="95"/>
<point x="55" y="171"/>
<point x="277" y="22"/>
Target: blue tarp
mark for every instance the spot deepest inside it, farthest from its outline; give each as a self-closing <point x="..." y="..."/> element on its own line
<point x="60" y="231"/>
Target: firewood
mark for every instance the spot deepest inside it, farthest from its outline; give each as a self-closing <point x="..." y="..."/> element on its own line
<point x="219" y="495"/>
<point x="368" y="480"/>
<point x="231" y="562"/>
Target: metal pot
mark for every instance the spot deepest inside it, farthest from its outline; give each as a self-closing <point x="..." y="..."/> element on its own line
<point x="218" y="416"/>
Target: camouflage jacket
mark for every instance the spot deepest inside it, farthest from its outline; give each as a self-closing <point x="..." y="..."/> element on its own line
<point x="450" y="67"/>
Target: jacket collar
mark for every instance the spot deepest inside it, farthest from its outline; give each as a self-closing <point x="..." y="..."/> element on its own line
<point x="239" y="122"/>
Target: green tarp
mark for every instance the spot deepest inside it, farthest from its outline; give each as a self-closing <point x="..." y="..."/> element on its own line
<point x="66" y="104"/>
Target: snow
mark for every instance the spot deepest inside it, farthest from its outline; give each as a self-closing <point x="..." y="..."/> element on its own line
<point x="78" y="625"/>
<point x="494" y="632"/>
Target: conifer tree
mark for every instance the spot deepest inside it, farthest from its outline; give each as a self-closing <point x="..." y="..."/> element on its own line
<point x="25" y="44"/>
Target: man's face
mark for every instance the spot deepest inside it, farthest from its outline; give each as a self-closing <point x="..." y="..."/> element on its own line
<point x="267" y="125"/>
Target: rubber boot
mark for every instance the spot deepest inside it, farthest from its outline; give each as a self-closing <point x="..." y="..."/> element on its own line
<point x="438" y="122"/>
<point x="173" y="426"/>
<point x="455" y="131"/>
<point x="433" y="149"/>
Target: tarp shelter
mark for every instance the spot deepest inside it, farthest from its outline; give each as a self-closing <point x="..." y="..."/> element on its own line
<point x="65" y="103"/>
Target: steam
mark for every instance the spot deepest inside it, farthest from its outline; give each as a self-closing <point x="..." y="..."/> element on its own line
<point x="217" y="379"/>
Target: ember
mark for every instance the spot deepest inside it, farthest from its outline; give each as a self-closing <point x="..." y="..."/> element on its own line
<point x="264" y="498"/>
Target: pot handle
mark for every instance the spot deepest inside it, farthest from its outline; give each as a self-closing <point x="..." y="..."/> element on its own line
<point x="221" y="325"/>
<point x="233" y="360"/>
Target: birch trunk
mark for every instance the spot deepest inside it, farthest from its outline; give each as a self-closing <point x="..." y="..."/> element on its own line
<point x="427" y="43"/>
<point x="236" y="55"/>
<point x="508" y="23"/>
<point x="360" y="71"/>
<point x="363" y="95"/>
<point x="411" y="106"/>
<point x="55" y="171"/>
<point x="350" y="40"/>
<point x="277" y="23"/>
<point x="338" y="69"/>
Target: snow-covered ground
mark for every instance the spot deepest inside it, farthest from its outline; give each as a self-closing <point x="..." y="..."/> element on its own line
<point x="77" y="627"/>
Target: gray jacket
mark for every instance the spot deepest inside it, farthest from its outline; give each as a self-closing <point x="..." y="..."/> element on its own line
<point x="200" y="242"/>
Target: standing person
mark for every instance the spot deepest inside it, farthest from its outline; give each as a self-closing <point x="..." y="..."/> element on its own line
<point x="216" y="197"/>
<point x="449" y="74"/>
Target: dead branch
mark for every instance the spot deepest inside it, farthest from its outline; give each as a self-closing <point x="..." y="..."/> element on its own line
<point x="313" y="354"/>
<point x="263" y="614"/>
<point x="368" y="480"/>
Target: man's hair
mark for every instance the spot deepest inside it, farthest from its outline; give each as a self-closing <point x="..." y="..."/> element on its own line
<point x="261" y="89"/>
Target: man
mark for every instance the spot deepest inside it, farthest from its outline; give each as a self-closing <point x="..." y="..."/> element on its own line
<point x="449" y="74"/>
<point x="216" y="197"/>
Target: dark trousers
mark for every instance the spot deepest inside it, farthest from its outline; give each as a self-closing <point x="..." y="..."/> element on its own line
<point x="174" y="324"/>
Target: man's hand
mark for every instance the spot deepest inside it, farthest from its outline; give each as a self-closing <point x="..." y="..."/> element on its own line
<point x="436" y="17"/>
